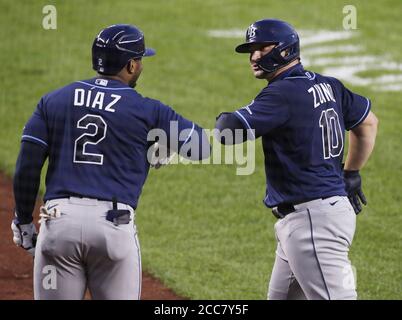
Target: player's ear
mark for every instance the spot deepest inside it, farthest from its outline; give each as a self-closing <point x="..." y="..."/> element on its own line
<point x="131" y="66"/>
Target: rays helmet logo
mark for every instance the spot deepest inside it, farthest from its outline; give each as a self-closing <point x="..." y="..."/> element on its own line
<point x="251" y="32"/>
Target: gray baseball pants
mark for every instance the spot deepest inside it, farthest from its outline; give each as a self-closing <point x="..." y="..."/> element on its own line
<point x="81" y="249"/>
<point x="312" y="252"/>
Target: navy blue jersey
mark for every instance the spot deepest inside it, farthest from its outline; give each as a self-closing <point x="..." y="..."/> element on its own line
<point x="95" y="132"/>
<point x="302" y="117"/>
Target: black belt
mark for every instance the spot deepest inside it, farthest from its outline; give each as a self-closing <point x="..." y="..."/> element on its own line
<point x="283" y="209"/>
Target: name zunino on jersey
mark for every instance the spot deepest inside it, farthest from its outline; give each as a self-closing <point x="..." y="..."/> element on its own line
<point x="322" y="93"/>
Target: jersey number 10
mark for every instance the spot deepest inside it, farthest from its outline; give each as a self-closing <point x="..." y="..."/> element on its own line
<point x="332" y="137"/>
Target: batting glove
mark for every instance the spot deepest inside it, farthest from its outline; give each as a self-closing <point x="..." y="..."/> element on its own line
<point x="353" y="186"/>
<point x="48" y="214"/>
<point x="24" y="235"/>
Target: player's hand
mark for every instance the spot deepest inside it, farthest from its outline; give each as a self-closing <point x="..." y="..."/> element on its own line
<point x="161" y="156"/>
<point x="24" y="235"/>
<point x="353" y="186"/>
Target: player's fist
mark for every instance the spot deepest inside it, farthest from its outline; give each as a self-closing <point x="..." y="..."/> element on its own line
<point x="353" y="186"/>
<point x="161" y="156"/>
<point x="24" y="235"/>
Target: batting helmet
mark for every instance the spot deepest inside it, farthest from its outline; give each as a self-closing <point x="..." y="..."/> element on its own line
<point x="272" y="31"/>
<point x="114" y="46"/>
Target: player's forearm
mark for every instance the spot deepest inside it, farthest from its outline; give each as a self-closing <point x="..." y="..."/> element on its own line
<point x="227" y="125"/>
<point x="361" y="143"/>
<point x="27" y="179"/>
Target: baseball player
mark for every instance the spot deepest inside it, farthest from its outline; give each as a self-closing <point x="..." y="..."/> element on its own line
<point x="94" y="134"/>
<point x="302" y="117"/>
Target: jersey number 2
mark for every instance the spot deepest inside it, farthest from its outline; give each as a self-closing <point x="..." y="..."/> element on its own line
<point x="332" y="137"/>
<point x="98" y="133"/>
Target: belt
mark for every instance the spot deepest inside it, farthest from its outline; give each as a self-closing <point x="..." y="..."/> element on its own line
<point x="90" y="199"/>
<point x="283" y="209"/>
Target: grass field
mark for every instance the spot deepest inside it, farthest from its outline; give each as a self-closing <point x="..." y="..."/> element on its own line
<point x="203" y="230"/>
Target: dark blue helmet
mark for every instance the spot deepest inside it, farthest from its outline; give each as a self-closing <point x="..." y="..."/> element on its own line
<point x="272" y="31"/>
<point x="114" y="46"/>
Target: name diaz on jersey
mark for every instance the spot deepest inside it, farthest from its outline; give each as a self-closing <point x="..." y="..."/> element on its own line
<point x="84" y="98"/>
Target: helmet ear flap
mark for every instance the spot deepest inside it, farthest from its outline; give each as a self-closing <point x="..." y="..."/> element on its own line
<point x="280" y="56"/>
<point x="272" y="61"/>
<point x="285" y="53"/>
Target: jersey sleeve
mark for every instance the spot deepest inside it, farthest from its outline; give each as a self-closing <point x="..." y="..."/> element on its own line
<point x="269" y="110"/>
<point x="178" y="129"/>
<point x="355" y="108"/>
<point x="36" y="129"/>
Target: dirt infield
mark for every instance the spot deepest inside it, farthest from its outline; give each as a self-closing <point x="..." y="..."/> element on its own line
<point x="16" y="264"/>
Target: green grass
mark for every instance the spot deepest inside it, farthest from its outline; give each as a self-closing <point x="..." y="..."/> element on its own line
<point x="377" y="73"/>
<point x="204" y="230"/>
